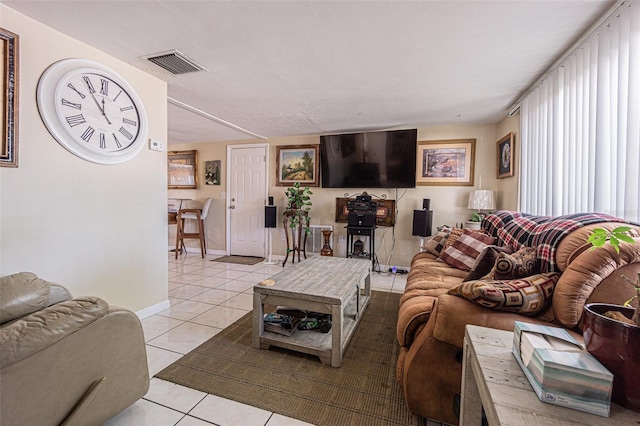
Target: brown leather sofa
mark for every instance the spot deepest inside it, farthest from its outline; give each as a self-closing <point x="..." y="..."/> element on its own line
<point x="64" y="360"/>
<point x="431" y="323"/>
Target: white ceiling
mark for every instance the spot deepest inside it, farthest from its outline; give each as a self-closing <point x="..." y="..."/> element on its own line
<point x="284" y="68"/>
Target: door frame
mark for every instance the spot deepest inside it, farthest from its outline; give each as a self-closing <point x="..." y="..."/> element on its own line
<point x="227" y="203"/>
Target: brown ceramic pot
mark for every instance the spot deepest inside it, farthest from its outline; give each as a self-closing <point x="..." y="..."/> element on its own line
<point x="617" y="346"/>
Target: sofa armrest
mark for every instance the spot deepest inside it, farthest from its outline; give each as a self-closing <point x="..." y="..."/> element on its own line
<point x="41" y="329"/>
<point x="413" y="314"/>
<point x="22" y="294"/>
<point x="452" y="314"/>
<point x="58" y="294"/>
<point x="45" y="387"/>
<point x="585" y="272"/>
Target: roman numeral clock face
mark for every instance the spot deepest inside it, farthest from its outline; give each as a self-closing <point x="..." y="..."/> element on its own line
<point x="92" y="111"/>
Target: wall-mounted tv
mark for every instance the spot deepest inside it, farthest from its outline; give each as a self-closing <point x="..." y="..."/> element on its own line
<point x="369" y="160"/>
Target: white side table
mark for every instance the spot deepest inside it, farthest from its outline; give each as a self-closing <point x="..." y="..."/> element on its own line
<point x="492" y="378"/>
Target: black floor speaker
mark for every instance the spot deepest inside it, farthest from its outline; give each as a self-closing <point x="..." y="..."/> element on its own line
<point x="270" y="217"/>
<point x="422" y="222"/>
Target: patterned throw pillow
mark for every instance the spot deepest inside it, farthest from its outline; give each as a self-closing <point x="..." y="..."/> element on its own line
<point x="463" y="252"/>
<point x="453" y="236"/>
<point x="485" y="261"/>
<point x="435" y="244"/>
<point x="512" y="266"/>
<point x="525" y="296"/>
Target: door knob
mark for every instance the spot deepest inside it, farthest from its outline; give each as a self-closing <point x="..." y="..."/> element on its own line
<point x="232" y="207"/>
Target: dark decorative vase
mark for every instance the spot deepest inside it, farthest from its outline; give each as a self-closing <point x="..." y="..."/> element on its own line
<point x="326" y="248"/>
<point x="617" y="346"/>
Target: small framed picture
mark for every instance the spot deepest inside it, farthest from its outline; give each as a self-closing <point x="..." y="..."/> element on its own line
<point x="297" y="163"/>
<point x="212" y="172"/>
<point x="446" y="163"/>
<point x="182" y="169"/>
<point x="505" y="148"/>
<point x="8" y="99"/>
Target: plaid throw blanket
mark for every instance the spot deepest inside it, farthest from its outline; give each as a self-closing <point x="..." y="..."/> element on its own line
<point x="542" y="232"/>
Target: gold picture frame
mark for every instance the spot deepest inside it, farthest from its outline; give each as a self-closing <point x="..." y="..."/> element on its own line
<point x="505" y="148"/>
<point x="182" y="169"/>
<point x="446" y="163"/>
<point x="9" y="99"/>
<point x="297" y="163"/>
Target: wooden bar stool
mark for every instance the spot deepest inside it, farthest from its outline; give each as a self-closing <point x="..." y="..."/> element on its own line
<point x="198" y="216"/>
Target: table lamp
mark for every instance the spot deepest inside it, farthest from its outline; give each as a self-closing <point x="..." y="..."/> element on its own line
<point x="482" y="201"/>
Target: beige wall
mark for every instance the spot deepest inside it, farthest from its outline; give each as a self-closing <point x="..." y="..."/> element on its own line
<point x="448" y="203"/>
<point x="99" y="230"/>
<point x="508" y="187"/>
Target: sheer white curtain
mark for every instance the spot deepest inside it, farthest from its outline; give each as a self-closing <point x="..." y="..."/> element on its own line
<point x="580" y="128"/>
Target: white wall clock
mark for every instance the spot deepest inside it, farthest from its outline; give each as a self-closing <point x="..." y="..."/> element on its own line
<point x="92" y="111"/>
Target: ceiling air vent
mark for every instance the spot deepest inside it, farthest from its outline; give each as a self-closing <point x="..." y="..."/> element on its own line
<point x="175" y="62"/>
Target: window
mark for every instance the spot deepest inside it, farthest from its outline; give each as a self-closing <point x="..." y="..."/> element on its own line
<point x="580" y="127"/>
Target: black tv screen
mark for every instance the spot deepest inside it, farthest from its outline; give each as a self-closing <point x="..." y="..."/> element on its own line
<point x="369" y="160"/>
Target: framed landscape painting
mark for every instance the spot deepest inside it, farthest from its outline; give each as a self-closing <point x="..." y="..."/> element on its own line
<point x="505" y="148"/>
<point x="446" y="163"/>
<point x="297" y="163"/>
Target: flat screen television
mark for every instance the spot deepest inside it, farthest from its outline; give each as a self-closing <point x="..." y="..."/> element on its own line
<point x="369" y="160"/>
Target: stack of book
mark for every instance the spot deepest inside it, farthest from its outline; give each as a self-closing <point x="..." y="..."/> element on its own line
<point x="280" y="323"/>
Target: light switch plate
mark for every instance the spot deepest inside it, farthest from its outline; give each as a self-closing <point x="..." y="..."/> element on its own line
<point x="156" y="145"/>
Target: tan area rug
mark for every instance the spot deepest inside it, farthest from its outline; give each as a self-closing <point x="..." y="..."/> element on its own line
<point x="363" y="391"/>
<point x="240" y="260"/>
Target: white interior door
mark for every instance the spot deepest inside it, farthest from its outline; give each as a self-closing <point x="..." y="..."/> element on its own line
<point x="246" y="198"/>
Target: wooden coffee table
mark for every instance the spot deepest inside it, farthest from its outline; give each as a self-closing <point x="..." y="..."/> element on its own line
<point x="329" y="285"/>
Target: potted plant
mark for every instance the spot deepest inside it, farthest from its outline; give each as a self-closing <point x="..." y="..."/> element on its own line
<point x="612" y="332"/>
<point x="298" y="206"/>
<point x="474" y="221"/>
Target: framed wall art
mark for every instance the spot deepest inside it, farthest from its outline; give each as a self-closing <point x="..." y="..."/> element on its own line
<point x="297" y="163"/>
<point x="505" y="149"/>
<point x="212" y="172"/>
<point x="446" y="163"/>
<point x="182" y="169"/>
<point x="9" y="98"/>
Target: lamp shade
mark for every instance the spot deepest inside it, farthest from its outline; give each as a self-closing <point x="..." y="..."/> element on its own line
<point x="482" y="199"/>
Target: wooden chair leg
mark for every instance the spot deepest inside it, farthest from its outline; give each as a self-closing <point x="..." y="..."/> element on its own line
<point x="201" y="237"/>
<point x="204" y="237"/>
<point x="178" y="235"/>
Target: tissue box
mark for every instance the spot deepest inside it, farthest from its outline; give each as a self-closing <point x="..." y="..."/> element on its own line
<point x="560" y="370"/>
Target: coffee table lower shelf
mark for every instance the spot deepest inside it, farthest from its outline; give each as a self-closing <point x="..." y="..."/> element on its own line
<point x="314" y="342"/>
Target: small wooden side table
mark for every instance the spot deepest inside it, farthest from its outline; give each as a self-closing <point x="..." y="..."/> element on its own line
<point x="493" y="380"/>
<point x="295" y="245"/>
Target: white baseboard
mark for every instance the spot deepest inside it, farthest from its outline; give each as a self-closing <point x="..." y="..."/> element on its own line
<point x="154" y="309"/>
<point x="197" y="250"/>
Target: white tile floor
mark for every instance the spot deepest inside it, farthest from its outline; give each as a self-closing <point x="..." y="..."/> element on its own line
<point x="205" y="297"/>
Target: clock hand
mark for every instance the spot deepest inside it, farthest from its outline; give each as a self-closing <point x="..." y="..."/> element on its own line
<point x="103" y="113"/>
<point x="99" y="107"/>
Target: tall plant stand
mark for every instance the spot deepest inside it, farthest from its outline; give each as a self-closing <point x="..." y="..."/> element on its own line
<point x="293" y="244"/>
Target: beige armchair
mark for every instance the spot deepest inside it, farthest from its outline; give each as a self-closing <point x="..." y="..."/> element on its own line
<point x="64" y="360"/>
